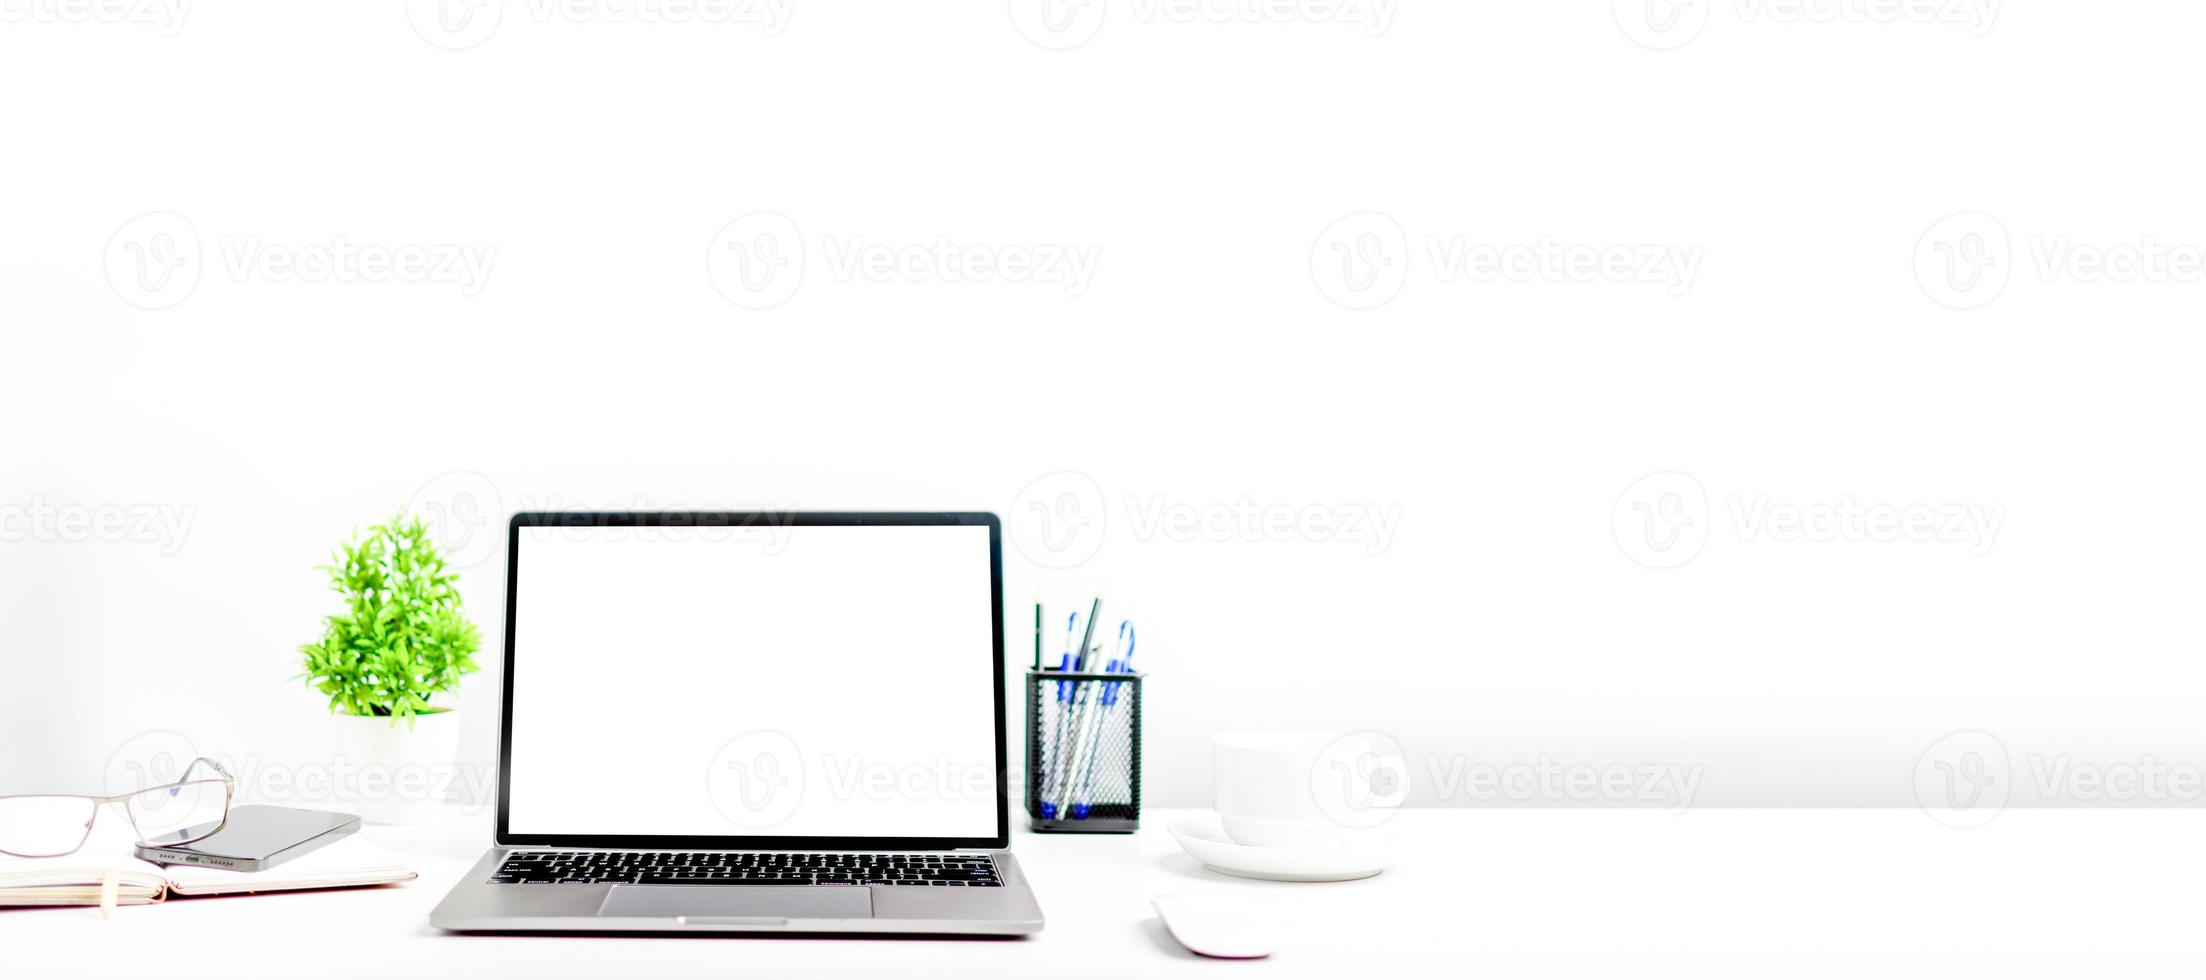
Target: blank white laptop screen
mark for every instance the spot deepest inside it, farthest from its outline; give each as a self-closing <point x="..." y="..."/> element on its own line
<point x="772" y="680"/>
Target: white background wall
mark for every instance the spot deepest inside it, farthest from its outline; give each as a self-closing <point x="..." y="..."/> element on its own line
<point x="1814" y="357"/>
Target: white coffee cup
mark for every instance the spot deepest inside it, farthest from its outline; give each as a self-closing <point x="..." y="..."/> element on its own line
<point x="1304" y="789"/>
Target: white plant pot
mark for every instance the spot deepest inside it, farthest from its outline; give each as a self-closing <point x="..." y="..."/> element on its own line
<point x="394" y="772"/>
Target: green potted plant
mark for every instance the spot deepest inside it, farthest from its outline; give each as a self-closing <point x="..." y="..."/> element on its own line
<point x="403" y="639"/>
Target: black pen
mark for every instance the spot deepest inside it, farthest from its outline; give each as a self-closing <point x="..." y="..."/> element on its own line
<point x="1095" y="610"/>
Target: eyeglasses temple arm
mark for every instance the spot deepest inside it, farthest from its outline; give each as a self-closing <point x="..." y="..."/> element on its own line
<point x="211" y="764"/>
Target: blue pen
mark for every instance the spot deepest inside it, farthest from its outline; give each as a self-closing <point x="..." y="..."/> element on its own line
<point x="1124" y="664"/>
<point x="1065" y="662"/>
<point x="1121" y="664"/>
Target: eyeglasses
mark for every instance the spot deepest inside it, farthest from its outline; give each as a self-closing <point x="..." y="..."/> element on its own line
<point x="37" y="825"/>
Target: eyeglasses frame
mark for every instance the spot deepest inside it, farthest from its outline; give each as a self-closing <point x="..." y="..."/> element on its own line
<point x="229" y="792"/>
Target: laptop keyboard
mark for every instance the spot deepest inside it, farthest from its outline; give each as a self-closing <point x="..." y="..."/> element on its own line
<point x="744" y="868"/>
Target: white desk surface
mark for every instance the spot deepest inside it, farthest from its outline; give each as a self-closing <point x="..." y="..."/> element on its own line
<point x="1752" y="892"/>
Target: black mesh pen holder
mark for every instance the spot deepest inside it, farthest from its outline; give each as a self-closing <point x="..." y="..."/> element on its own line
<point x="1083" y="752"/>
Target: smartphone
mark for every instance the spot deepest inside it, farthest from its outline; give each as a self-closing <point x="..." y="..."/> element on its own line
<point x="255" y="838"/>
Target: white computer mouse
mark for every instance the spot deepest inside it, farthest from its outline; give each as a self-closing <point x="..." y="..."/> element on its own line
<point x="1218" y="922"/>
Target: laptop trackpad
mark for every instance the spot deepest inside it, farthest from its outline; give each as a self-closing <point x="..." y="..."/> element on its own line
<point x="757" y="902"/>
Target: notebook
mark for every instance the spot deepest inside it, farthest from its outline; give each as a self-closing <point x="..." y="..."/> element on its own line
<point x="104" y="873"/>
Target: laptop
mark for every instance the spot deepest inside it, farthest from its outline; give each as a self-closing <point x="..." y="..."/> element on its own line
<point x="751" y="722"/>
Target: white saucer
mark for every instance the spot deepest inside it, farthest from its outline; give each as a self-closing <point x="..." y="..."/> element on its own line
<point x="1206" y="839"/>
